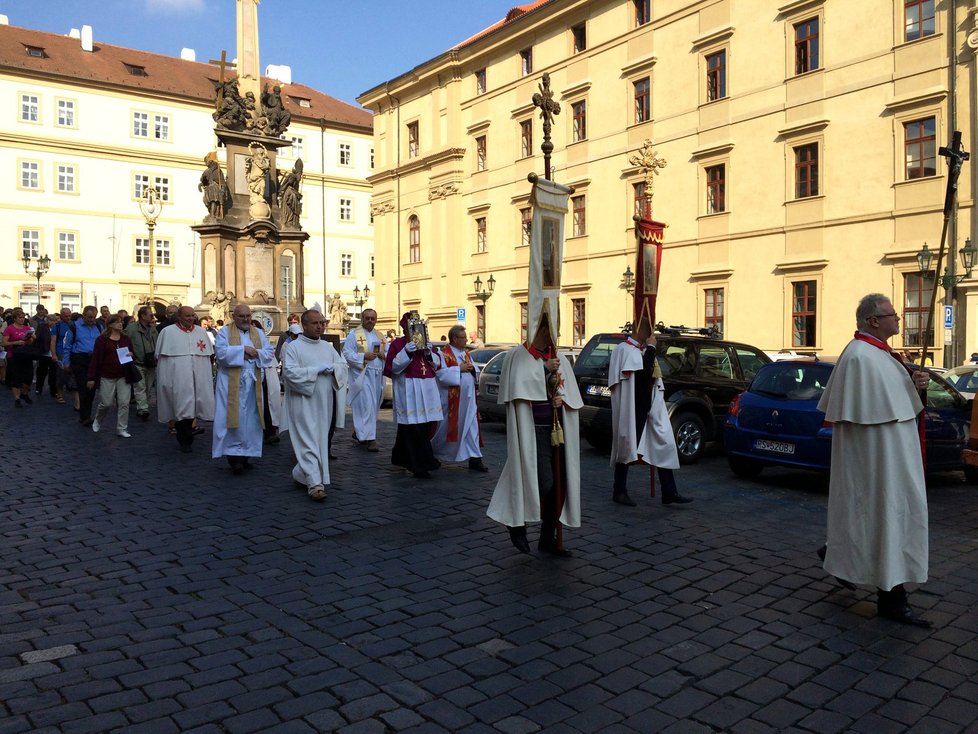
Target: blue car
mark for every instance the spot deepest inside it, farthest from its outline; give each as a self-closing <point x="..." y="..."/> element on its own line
<point x="776" y="421"/>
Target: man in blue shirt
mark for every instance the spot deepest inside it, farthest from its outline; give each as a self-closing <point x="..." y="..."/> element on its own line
<point x="79" y="343"/>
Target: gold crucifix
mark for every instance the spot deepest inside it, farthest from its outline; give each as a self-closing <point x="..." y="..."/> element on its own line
<point x="648" y="162"/>
<point x="222" y="64"/>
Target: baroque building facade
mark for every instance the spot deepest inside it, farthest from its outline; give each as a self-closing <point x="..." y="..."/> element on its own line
<point x="801" y="141"/>
<point x="90" y="126"/>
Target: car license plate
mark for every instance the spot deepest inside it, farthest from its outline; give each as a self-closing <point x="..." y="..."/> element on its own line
<point x="492" y="389"/>
<point x="777" y="447"/>
<point x="599" y="390"/>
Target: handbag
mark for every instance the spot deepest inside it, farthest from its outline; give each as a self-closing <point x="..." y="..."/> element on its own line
<point x="133" y="375"/>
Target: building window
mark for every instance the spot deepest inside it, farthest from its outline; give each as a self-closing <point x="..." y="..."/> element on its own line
<point x="524" y="321"/>
<point x="66" y="113"/>
<point x="917" y="291"/>
<point x="806" y="46"/>
<point x="140" y="124"/>
<point x="346" y="265"/>
<point x="580" y="38"/>
<point x="803" y="314"/>
<point x="142" y="251"/>
<point x="641" y="206"/>
<point x="643" y="11"/>
<point x="579" y="114"/>
<point x="480" y="81"/>
<point x="526" y="61"/>
<point x="346" y="154"/>
<point x="135" y="70"/>
<point x="296" y="148"/>
<point x="30" y="175"/>
<point x="526" y="138"/>
<point x="140" y="182"/>
<point x="806" y="170"/>
<point x="716" y="182"/>
<point x="162" y="184"/>
<point x="162" y="251"/>
<point x="413" y="140"/>
<point x="30" y="108"/>
<point x="713" y="309"/>
<point x="480" y="322"/>
<point x="480" y="235"/>
<point x="414" y="241"/>
<point x="71" y="301"/>
<point x="36" y="51"/>
<point x="480" y="153"/>
<point x="580" y="216"/>
<point x="526" y="226"/>
<point x="371" y="266"/>
<point x="346" y="210"/>
<point x="643" y="100"/>
<point x="66" y="246"/>
<point x="30" y="243"/>
<point x="161" y="127"/>
<point x="66" y="179"/>
<point x="716" y="76"/>
<point x="918" y="17"/>
<point x="920" y="148"/>
<point x="371" y="158"/>
<point x="580" y="321"/>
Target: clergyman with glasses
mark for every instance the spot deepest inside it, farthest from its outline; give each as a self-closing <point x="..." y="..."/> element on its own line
<point x="877" y="510"/>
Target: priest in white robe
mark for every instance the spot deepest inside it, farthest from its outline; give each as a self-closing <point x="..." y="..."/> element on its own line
<point x="241" y="349"/>
<point x="458" y="437"/>
<point x="364" y="352"/>
<point x="642" y="432"/>
<point x="315" y="379"/>
<point x="877" y="514"/>
<point x="184" y="380"/>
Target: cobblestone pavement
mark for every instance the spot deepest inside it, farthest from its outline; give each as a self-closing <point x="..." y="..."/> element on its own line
<point x="143" y="590"/>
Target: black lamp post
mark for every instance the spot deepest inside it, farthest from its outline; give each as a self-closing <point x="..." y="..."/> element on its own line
<point x="484" y="294"/>
<point x="41" y="268"/>
<point x="357" y="299"/>
<point x="948" y="281"/>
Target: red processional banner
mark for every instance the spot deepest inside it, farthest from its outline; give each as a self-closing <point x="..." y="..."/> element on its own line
<point x="648" y="259"/>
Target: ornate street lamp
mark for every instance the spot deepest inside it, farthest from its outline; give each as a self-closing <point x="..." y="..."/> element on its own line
<point x="40" y="270"/>
<point x="151" y="206"/>
<point x="357" y="299"/>
<point x="484" y="294"/>
<point x="925" y="258"/>
<point x="627" y="279"/>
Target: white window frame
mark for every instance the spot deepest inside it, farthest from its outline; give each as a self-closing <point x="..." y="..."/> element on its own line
<point x="30" y="242"/>
<point x="66" y="178"/>
<point x="65" y="110"/>
<point x="30" y="108"/>
<point x="346" y="265"/>
<point x="345" y="209"/>
<point x="140" y="182"/>
<point x="30" y="176"/>
<point x="346" y="148"/>
<point x="161" y="127"/>
<point x="162" y="185"/>
<point x="140" y="124"/>
<point x="67" y="245"/>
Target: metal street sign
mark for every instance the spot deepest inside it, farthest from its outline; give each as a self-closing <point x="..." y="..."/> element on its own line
<point x="461" y="314"/>
<point x="949" y="317"/>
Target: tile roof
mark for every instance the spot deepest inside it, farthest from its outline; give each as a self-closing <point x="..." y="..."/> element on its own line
<point x="107" y="65"/>
<point x="512" y="15"/>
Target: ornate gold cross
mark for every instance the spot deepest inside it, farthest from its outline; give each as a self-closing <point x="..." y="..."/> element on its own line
<point x="649" y="163"/>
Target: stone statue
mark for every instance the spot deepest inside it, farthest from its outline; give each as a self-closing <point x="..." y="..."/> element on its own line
<point x="221" y="308"/>
<point x="257" y="122"/>
<point x="256" y="172"/>
<point x="289" y="197"/>
<point x="338" y="313"/>
<point x="231" y="113"/>
<point x="217" y="195"/>
<point x="278" y="117"/>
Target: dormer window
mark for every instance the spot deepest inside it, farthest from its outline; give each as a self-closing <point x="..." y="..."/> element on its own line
<point x="36" y="51"/>
<point x="135" y="70"/>
<point x="302" y="101"/>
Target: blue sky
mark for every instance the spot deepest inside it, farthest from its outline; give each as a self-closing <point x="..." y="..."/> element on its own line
<point x="341" y="47"/>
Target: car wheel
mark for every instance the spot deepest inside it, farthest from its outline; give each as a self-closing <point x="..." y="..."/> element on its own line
<point x="743" y="467"/>
<point x="690" y="437"/>
<point x="971" y="474"/>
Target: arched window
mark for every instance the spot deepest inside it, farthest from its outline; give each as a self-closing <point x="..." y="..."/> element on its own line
<point x="414" y="241"/>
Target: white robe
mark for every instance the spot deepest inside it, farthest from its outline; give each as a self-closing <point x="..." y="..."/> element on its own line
<point x="657" y="444"/>
<point x="877" y="513"/>
<point x="315" y="377"/>
<point x="269" y="368"/>
<point x="516" y="498"/>
<point x="416" y="400"/>
<point x="247" y="438"/>
<point x="366" y="390"/>
<point x="467" y="445"/>
<point x="184" y="380"/>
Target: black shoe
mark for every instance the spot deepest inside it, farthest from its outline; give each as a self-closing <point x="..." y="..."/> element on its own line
<point x="185" y="448"/>
<point x="903" y="615"/>
<point x="549" y="546"/>
<point x="478" y="465"/>
<point x="143" y="414"/>
<point x="676" y="499"/>
<point x="518" y="538"/>
<point x="622" y="498"/>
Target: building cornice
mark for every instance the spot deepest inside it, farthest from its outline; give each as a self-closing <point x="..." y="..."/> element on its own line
<point x="713" y="36"/>
<point x="922" y="98"/>
<point x="418" y="164"/>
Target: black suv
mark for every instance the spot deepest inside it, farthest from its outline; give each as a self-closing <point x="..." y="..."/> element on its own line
<point x="700" y="372"/>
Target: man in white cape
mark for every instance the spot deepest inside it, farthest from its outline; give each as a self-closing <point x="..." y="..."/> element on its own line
<point x="241" y="349"/>
<point x="315" y="384"/>
<point x="184" y="381"/>
<point x="525" y="491"/>
<point x="364" y="352"/>
<point x="877" y="514"/>
<point x="640" y="423"/>
<point x="458" y="437"/>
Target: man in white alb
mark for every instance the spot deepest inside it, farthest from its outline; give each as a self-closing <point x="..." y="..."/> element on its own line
<point x="364" y="352"/>
<point x="458" y="437"/>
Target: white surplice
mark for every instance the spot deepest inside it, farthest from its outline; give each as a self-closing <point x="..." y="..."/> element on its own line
<point x="184" y="381"/>
<point x="877" y="515"/>
<point x="247" y="438"/>
<point x="273" y="386"/>
<point x="366" y="389"/>
<point x="516" y="498"/>
<point x="315" y="379"/>
<point x="467" y="444"/>
<point x="416" y="400"/>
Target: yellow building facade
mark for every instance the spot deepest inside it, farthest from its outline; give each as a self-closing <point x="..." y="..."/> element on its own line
<point x="803" y="170"/>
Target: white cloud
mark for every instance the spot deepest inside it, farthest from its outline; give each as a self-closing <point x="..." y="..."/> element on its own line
<point x="174" y="6"/>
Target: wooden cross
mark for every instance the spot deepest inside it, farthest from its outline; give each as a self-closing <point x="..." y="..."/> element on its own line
<point x="222" y="64"/>
<point x="648" y="162"/>
<point x="544" y="99"/>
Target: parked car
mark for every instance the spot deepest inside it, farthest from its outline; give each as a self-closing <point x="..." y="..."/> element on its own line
<point x="964" y="379"/>
<point x="701" y="374"/>
<point x="481" y="355"/>
<point x="776" y="421"/>
<point x="488" y="392"/>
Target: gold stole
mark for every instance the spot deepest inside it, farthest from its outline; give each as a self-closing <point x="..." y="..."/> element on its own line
<point x="234" y="377"/>
<point x="454" y="398"/>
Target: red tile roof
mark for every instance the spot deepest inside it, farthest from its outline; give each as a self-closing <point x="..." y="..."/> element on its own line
<point x="106" y="65"/>
<point x="513" y="14"/>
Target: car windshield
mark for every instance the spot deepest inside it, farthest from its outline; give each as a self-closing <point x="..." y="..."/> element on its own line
<point x="965" y="379"/>
<point x="481" y="356"/>
<point x="792" y="380"/>
<point x="495" y="365"/>
<point x="600" y="356"/>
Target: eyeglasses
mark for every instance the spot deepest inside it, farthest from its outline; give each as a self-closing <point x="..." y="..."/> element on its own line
<point x="885" y="315"/>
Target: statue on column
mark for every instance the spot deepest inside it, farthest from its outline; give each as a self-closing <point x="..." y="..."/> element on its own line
<point x="256" y="174"/>
<point x="276" y="114"/>
<point x="231" y="113"/>
<point x="214" y="185"/>
<point x="290" y="199"/>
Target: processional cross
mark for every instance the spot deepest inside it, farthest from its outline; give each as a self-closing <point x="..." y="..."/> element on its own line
<point x="649" y="163"/>
<point x="544" y="99"/>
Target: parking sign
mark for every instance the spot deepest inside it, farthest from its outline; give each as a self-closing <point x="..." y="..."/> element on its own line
<point x="461" y="314"/>
<point x="949" y="317"/>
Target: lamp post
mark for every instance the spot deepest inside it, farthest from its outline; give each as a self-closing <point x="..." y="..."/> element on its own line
<point x="287" y="289"/>
<point x="948" y="281"/>
<point x="627" y="284"/>
<point x="484" y="294"/>
<point x="358" y="300"/>
<point x="41" y="268"/>
<point x="150" y="206"/>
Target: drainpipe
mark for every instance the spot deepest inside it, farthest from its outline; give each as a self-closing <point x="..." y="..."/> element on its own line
<point x="396" y="103"/>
